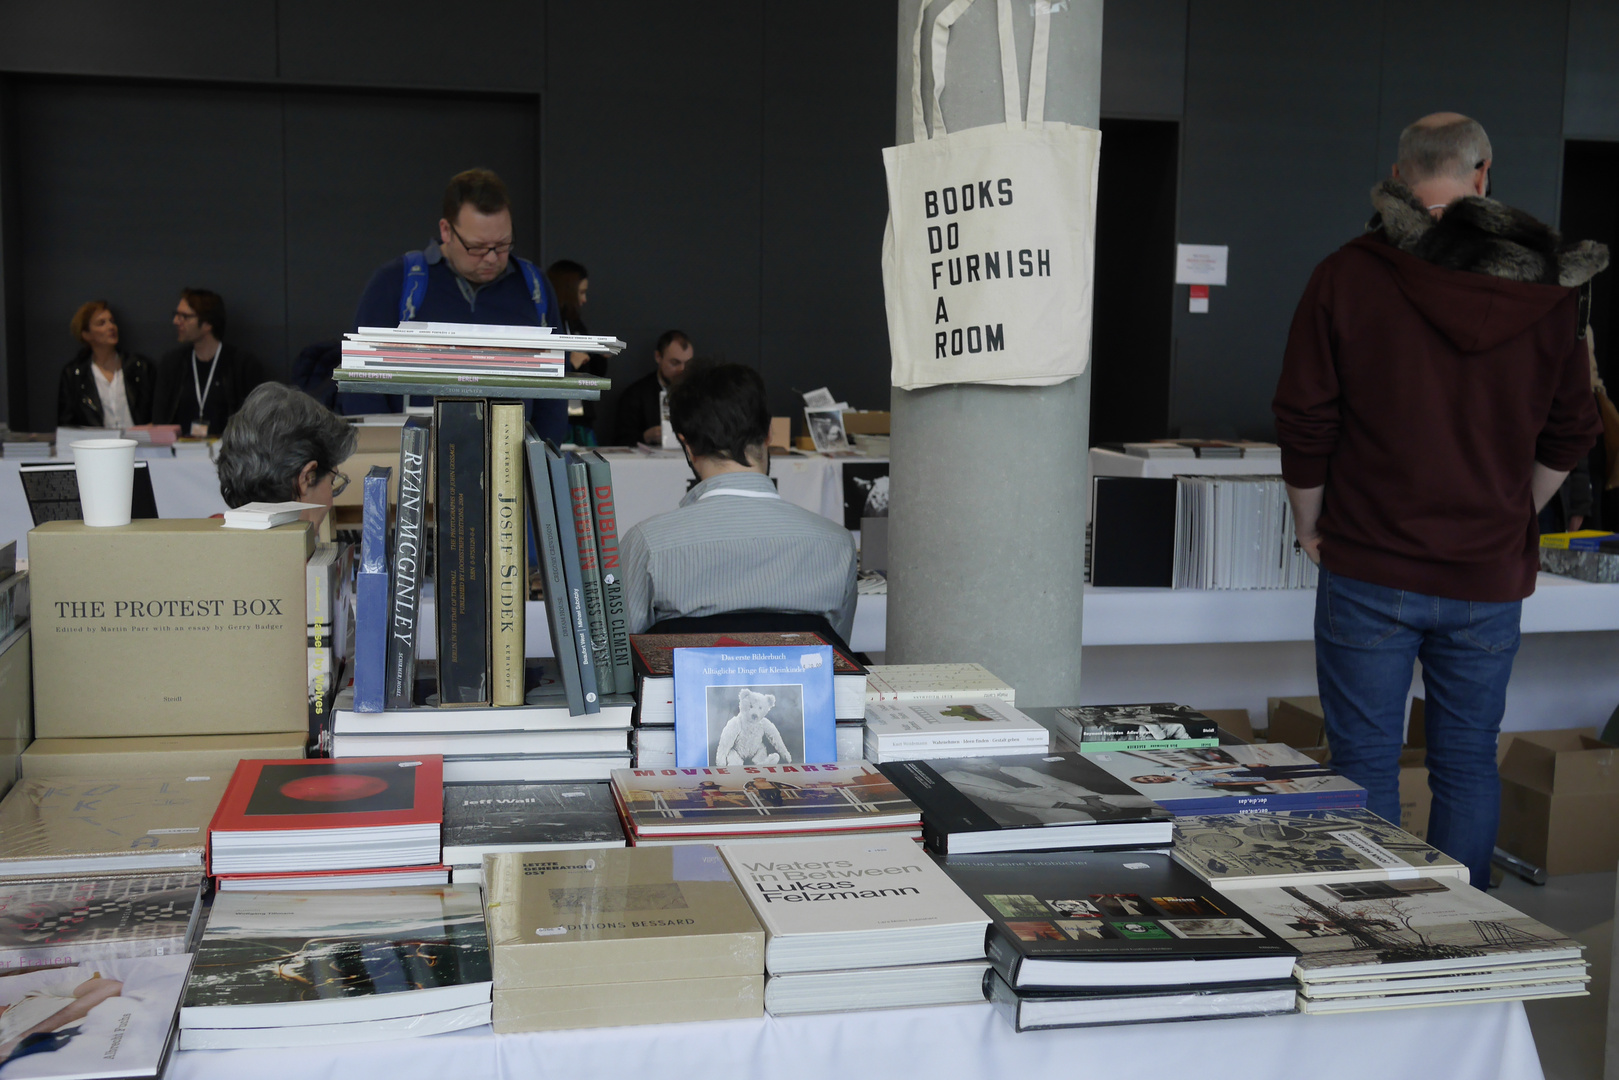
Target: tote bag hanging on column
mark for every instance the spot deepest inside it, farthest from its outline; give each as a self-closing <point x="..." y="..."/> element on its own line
<point x="987" y="258"/>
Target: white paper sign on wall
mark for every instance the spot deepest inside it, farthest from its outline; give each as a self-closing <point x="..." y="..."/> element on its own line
<point x="1200" y="264"/>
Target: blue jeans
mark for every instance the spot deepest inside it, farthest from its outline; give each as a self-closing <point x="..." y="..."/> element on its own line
<point x="1366" y="639"/>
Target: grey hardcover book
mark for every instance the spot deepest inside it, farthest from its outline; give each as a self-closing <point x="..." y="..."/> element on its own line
<point x="408" y="552"/>
<point x="590" y="573"/>
<point x="482" y="819"/>
<point x="558" y="612"/>
<point x="573" y="578"/>
<point x="604" y="510"/>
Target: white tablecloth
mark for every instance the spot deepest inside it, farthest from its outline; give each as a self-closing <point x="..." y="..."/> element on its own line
<point x="1478" y="1042"/>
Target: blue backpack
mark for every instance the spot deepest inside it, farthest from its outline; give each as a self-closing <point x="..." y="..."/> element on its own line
<point x="410" y="297"/>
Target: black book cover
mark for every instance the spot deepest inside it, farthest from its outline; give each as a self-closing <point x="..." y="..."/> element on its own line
<point x="1163" y="1004"/>
<point x="409" y="550"/>
<point x="1016" y="791"/>
<point x="461" y="507"/>
<point x="558" y="614"/>
<point x="1158" y="721"/>
<point x="1133" y="531"/>
<point x="1105" y="906"/>
<point x="541" y="814"/>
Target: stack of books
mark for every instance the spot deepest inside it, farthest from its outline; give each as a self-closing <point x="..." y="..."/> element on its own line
<point x="716" y="803"/>
<point x="950" y="728"/>
<point x="855" y="923"/>
<point x="28" y="445"/>
<point x="486" y="819"/>
<point x="568" y="719"/>
<point x="1161" y="726"/>
<point x="935" y="682"/>
<point x="1381" y="920"/>
<point x="320" y="968"/>
<point x="1236" y="532"/>
<point x="82" y="920"/>
<point x="87" y="826"/>
<point x="654" y="673"/>
<point x="1027" y="802"/>
<point x="1086" y="937"/>
<point x="265" y="515"/>
<point x="680" y="943"/>
<point x="321" y="824"/>
<point x="396" y="359"/>
<point x="1219" y="779"/>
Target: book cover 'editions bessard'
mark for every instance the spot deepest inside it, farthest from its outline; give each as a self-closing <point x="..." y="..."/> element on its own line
<point x="754" y="706"/>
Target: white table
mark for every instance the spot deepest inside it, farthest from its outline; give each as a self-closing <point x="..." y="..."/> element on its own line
<point x="964" y="1042"/>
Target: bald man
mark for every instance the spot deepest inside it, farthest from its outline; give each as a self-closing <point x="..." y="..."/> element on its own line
<point x="1434" y="393"/>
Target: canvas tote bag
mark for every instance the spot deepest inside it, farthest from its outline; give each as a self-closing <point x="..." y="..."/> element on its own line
<point x="991" y="237"/>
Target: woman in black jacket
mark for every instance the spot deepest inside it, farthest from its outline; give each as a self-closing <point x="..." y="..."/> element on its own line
<point x="103" y="386"/>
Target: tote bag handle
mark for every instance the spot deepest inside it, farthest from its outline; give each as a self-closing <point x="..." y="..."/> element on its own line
<point x="1010" y="86"/>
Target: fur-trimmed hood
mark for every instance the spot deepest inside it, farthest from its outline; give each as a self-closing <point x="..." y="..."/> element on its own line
<point x="1483" y="236"/>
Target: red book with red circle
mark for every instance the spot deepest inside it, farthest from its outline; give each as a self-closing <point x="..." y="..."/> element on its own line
<point x="320" y="814"/>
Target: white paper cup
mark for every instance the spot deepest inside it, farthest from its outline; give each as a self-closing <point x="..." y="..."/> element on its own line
<point x="106" y="469"/>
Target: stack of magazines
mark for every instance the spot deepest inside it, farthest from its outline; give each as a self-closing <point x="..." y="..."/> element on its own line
<point x="394" y="359"/>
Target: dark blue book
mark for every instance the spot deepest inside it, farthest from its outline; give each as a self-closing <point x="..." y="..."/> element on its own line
<point x="371" y="594"/>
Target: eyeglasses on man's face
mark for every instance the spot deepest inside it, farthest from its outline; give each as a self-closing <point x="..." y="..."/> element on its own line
<point x="185" y="316"/>
<point x="340" y="483"/>
<point x="479" y="251"/>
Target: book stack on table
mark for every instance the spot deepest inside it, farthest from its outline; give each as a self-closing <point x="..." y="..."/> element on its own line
<point x="487" y="819"/>
<point x="603" y="937"/>
<point x="957" y="727"/>
<point x="309" y="824"/>
<point x="714" y="804"/>
<point x="460" y="358"/>
<point x="494" y="716"/>
<point x="1380" y="919"/>
<point x="859" y="923"/>
<point x="654" y="667"/>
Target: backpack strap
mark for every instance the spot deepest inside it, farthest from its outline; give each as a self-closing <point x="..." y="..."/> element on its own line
<point x="539" y="291"/>
<point x="415" y="286"/>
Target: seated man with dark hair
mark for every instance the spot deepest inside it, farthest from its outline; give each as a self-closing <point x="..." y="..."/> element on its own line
<point x="202" y="383"/>
<point x="640" y="419"/>
<point x="734" y="545"/>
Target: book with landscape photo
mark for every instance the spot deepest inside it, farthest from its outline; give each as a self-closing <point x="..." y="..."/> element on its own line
<point x="1226" y="779"/>
<point x="1067" y="919"/>
<point x="754" y="705"/>
<point x="283" y="960"/>
<point x="1290" y="847"/>
<point x="756" y="800"/>
<point x="1022" y="802"/>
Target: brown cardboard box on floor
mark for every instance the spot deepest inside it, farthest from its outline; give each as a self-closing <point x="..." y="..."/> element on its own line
<point x="1232" y="722"/>
<point x="169" y="626"/>
<point x="1560" y="800"/>
<point x="1296" y="721"/>
<point x="157" y="755"/>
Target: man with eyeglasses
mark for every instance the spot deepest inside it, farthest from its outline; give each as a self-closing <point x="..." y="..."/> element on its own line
<point x="467" y="275"/>
<point x="202" y="383"/>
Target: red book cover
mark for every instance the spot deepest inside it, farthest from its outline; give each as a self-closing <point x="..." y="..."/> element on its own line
<point x="326" y="793"/>
<point x="309" y="874"/>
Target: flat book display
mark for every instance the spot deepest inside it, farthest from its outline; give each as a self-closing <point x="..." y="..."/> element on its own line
<point x="82" y="920"/>
<point x="481" y="819"/>
<point x="97" y="825"/>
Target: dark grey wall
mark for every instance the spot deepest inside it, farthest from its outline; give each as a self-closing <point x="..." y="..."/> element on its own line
<point x="716" y="164"/>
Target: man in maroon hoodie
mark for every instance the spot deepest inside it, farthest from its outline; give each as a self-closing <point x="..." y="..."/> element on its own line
<point x="1434" y="394"/>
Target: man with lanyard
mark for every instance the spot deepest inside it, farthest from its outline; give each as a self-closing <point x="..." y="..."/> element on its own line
<point x="201" y="384"/>
<point x="733" y="545"/>
<point x="467" y="275"/>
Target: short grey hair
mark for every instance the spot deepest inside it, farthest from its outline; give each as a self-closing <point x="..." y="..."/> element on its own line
<point x="1451" y="150"/>
<point x="277" y="431"/>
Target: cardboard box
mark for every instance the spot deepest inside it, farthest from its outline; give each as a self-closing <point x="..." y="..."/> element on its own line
<point x="161" y="755"/>
<point x="781" y="433"/>
<point x="1232" y="721"/>
<point x="1560" y="800"/>
<point x="1296" y="721"/>
<point x="867" y="423"/>
<point x="171" y="626"/>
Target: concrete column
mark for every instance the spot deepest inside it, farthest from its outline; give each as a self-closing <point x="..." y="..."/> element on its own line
<point x="989" y="483"/>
